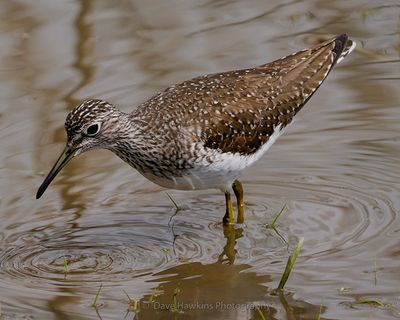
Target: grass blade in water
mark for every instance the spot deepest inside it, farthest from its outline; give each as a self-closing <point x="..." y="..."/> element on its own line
<point x="290" y="263"/>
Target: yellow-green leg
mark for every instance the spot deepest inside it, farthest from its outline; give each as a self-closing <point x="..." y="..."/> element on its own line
<point x="229" y="217"/>
<point x="238" y="190"/>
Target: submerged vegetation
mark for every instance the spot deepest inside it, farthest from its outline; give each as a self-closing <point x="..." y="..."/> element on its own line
<point x="272" y="225"/>
<point x="133" y="306"/>
<point x="66" y="263"/>
<point x="96" y="298"/>
<point x="175" y="306"/>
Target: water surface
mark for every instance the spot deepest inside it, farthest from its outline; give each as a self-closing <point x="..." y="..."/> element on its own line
<point x="336" y="168"/>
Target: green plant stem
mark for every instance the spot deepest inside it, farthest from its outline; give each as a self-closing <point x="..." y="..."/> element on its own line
<point x="96" y="298"/>
<point x="177" y="207"/>
<point x="290" y="263"/>
<point x="273" y="223"/>
<point x="66" y="269"/>
<point x="260" y="313"/>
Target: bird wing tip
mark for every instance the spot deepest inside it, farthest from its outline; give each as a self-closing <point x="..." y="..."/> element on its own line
<point x="343" y="46"/>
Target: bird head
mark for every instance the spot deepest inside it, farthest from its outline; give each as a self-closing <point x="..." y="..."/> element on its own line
<point x="89" y="126"/>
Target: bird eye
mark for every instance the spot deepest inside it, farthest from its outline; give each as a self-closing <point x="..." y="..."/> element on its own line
<point x="93" y="129"/>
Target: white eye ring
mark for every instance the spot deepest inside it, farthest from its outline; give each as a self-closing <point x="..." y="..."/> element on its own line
<point x="93" y="129"/>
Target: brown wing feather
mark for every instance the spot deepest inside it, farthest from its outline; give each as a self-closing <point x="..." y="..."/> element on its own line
<point x="294" y="79"/>
<point x="237" y="111"/>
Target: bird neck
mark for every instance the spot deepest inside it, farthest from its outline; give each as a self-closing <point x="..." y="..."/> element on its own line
<point x="130" y="141"/>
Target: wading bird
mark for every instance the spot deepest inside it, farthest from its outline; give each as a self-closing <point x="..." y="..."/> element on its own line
<point x="202" y="133"/>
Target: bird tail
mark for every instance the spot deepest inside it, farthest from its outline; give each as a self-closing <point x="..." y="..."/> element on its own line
<point x="343" y="47"/>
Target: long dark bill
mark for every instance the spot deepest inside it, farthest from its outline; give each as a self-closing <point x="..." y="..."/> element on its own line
<point x="66" y="155"/>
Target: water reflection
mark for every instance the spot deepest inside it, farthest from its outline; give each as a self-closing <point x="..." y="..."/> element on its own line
<point x="231" y="234"/>
<point x="219" y="291"/>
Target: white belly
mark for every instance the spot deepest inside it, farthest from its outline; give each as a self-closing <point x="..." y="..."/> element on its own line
<point x="224" y="169"/>
<point x="196" y="179"/>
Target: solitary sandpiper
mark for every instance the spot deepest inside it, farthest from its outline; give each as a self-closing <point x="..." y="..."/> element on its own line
<point x="202" y="133"/>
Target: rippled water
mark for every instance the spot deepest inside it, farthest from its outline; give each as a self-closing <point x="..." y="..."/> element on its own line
<point x="336" y="168"/>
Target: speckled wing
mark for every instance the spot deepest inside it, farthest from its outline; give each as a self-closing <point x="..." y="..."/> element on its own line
<point x="270" y="96"/>
<point x="238" y="111"/>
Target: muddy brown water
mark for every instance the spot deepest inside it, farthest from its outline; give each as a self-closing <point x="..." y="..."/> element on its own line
<point x="336" y="168"/>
